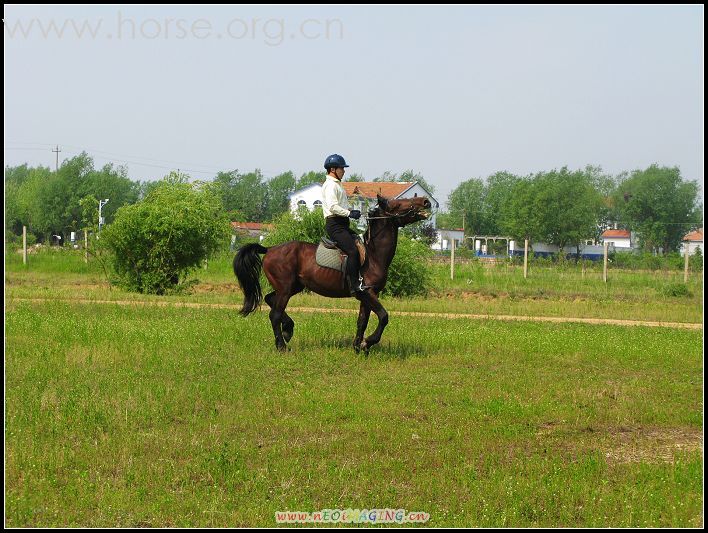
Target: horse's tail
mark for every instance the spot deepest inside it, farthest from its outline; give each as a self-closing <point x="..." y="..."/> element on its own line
<point x="247" y="267"/>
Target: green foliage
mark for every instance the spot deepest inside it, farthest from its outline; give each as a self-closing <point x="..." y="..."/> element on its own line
<point x="354" y="177"/>
<point x="306" y="225"/>
<point x="162" y="238"/>
<point x="243" y="193"/>
<point x="308" y="178"/>
<point x="558" y="207"/>
<point x="468" y="200"/>
<point x="423" y="232"/>
<point x="676" y="290"/>
<point x="406" y="176"/>
<point x="659" y="206"/>
<point x="278" y="190"/>
<point x="409" y="273"/>
<point x="55" y="202"/>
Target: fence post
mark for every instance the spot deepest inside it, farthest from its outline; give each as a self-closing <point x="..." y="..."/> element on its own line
<point x="526" y="257"/>
<point x="85" y="246"/>
<point x="685" y="269"/>
<point x="604" y="269"/>
<point x="24" y="245"/>
<point x="452" y="260"/>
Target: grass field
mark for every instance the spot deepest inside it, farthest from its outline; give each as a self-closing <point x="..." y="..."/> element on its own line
<point x="165" y="416"/>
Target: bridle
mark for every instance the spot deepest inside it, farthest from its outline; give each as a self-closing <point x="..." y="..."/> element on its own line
<point x="387" y="216"/>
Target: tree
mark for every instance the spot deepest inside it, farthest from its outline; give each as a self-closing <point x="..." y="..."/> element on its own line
<point x="568" y="207"/>
<point x="243" y="195"/>
<point x="466" y="203"/>
<point x="278" y="190"/>
<point x="519" y="213"/>
<point x="156" y="242"/>
<point x="308" y="178"/>
<point x="497" y="191"/>
<point x="407" y="176"/>
<point x="557" y="207"/>
<point x="659" y="206"/>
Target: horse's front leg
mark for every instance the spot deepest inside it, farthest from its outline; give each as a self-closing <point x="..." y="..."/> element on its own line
<point x="382" y="315"/>
<point x="361" y="323"/>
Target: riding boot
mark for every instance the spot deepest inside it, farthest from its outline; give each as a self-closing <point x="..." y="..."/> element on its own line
<point x="356" y="284"/>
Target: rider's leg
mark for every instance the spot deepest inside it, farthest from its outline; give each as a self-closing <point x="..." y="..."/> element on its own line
<point x="338" y="230"/>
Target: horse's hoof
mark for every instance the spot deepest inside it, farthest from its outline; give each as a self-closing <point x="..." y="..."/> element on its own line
<point x="364" y="348"/>
<point x="282" y="347"/>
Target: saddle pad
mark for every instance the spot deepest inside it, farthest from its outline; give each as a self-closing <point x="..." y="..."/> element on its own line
<point x="328" y="258"/>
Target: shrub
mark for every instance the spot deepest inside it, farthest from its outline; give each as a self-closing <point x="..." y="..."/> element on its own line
<point x="159" y="240"/>
<point x="409" y="274"/>
<point x="306" y="225"/>
<point x="676" y="290"/>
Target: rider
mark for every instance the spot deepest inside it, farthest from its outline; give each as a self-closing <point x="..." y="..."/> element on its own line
<point x="335" y="207"/>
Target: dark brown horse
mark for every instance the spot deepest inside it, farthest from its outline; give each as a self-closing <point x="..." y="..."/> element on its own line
<point x="291" y="267"/>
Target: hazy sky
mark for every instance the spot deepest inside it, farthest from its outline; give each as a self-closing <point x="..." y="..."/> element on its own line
<point x="450" y="92"/>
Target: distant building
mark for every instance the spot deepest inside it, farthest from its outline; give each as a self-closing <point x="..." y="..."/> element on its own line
<point x="444" y="238"/>
<point x="623" y="240"/>
<point x="362" y="195"/>
<point x="694" y="241"/>
<point x="249" y="229"/>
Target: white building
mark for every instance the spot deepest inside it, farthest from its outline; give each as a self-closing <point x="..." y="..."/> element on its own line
<point x="694" y="241"/>
<point x="362" y="195"/>
<point x="444" y="238"/>
<point x="622" y="239"/>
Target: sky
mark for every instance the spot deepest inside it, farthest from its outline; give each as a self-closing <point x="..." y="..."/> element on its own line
<point x="450" y="92"/>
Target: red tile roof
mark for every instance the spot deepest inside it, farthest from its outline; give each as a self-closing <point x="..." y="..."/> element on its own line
<point x="694" y="236"/>
<point x="258" y="226"/>
<point x="369" y="189"/>
<point x="616" y="233"/>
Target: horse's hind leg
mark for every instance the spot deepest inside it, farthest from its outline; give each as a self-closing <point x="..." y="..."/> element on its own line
<point x="277" y="303"/>
<point x="287" y="323"/>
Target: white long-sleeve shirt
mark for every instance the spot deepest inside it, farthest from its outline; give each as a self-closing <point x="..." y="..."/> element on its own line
<point x="334" y="198"/>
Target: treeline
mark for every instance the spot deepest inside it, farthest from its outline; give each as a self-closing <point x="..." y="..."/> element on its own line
<point x="567" y="207"/>
<point x="563" y="207"/>
<point x="57" y="203"/>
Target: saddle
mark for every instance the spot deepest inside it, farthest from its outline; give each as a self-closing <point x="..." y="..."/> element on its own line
<point x="329" y="256"/>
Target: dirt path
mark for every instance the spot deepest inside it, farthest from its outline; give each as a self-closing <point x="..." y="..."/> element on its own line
<point x="601" y="321"/>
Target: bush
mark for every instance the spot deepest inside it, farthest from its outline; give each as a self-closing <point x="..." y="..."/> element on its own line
<point x="676" y="290"/>
<point x="695" y="261"/>
<point x="159" y="240"/>
<point x="409" y="274"/>
<point x="306" y="225"/>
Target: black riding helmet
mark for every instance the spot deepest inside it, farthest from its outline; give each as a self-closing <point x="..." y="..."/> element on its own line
<point x="335" y="161"/>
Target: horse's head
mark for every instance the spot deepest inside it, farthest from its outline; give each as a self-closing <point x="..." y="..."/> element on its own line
<point x="404" y="211"/>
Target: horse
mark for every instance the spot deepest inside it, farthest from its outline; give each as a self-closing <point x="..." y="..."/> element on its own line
<point x="291" y="267"/>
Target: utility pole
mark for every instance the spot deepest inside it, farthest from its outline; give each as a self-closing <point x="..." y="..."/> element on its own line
<point x="56" y="151"/>
<point x="101" y="203"/>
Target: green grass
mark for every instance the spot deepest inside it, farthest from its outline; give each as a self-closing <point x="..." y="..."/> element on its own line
<point x="502" y="290"/>
<point x="143" y="416"/>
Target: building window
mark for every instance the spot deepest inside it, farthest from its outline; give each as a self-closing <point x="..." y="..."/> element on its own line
<point x="301" y="203"/>
<point x="318" y="203"/>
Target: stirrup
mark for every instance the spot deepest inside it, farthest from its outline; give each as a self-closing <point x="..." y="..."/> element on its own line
<point x="360" y="287"/>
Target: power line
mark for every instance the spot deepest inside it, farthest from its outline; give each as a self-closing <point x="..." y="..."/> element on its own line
<point x="57" y="152"/>
<point x="130" y="159"/>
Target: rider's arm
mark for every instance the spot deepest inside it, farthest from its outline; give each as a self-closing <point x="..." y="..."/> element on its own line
<point x="331" y="202"/>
